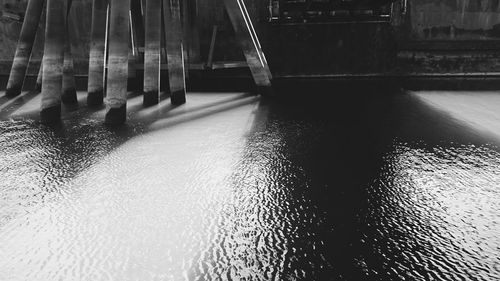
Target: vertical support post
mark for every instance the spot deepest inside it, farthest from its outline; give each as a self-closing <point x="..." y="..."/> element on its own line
<point x="248" y="40"/>
<point x="212" y="48"/>
<point x="38" y="85"/>
<point x="116" y="92"/>
<point x="53" y="60"/>
<point x="68" y="84"/>
<point x="24" y="47"/>
<point x="255" y="38"/>
<point x="95" y="90"/>
<point x="191" y="32"/>
<point x="137" y="34"/>
<point x="175" y="56"/>
<point x="152" y="52"/>
<point x="185" y="36"/>
<point x="137" y="25"/>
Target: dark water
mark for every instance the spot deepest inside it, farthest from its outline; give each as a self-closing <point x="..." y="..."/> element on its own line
<point x="359" y="186"/>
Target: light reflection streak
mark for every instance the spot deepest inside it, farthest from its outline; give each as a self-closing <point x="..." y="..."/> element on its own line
<point x="142" y="212"/>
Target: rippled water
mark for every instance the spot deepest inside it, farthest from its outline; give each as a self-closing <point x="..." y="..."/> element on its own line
<point x="365" y="187"/>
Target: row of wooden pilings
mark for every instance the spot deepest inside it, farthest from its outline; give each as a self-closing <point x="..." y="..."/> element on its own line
<point x="109" y="54"/>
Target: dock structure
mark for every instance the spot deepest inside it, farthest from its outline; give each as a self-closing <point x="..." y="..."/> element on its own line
<point x="124" y="36"/>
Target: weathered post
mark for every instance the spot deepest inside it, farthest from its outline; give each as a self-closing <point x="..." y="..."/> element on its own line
<point x="247" y="38"/>
<point x="152" y="52"/>
<point x="137" y="25"/>
<point x="53" y="60"/>
<point x="175" y="56"/>
<point x="24" y="47"/>
<point x="68" y="85"/>
<point x="38" y="85"/>
<point x="116" y="91"/>
<point x="95" y="87"/>
<point x="137" y="42"/>
<point x="191" y="33"/>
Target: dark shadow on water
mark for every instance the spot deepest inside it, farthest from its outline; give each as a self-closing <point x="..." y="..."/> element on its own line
<point x="16" y="102"/>
<point x="315" y="167"/>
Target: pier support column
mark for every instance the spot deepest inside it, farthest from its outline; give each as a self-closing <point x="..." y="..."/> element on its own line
<point x="191" y="32"/>
<point x="249" y="42"/>
<point x="137" y="42"/>
<point x="68" y="85"/>
<point x="152" y="52"/>
<point x="53" y="60"/>
<point x="99" y="28"/>
<point x="24" y="47"/>
<point x="116" y="91"/>
<point x="38" y="85"/>
<point x="175" y="56"/>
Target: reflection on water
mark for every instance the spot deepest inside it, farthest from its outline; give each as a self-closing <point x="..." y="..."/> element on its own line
<point x="227" y="187"/>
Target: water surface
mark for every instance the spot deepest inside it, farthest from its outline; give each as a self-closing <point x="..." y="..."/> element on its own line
<point x="365" y="186"/>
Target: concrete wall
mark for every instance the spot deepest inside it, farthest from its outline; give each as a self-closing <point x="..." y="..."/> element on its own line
<point x="455" y="19"/>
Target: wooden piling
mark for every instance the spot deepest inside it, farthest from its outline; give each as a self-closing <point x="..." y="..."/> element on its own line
<point x="175" y="56"/>
<point x="137" y="42"/>
<point x="152" y="52"/>
<point x="95" y="90"/>
<point x="116" y="91"/>
<point x="191" y="32"/>
<point x="53" y="61"/>
<point x="137" y="20"/>
<point x="247" y="38"/>
<point x="38" y="85"/>
<point x="24" y="47"/>
<point x="68" y="85"/>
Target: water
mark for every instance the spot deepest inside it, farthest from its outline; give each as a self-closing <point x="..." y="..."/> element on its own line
<point x="228" y="187"/>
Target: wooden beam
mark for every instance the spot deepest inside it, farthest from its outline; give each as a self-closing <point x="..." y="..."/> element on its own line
<point x="248" y="40"/>
<point x="152" y="52"/>
<point x="175" y="56"/>
<point x="95" y="90"/>
<point x="53" y="60"/>
<point x="116" y="92"/>
<point x="24" y="47"/>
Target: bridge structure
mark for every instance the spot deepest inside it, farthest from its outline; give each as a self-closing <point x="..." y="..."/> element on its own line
<point x="117" y="28"/>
